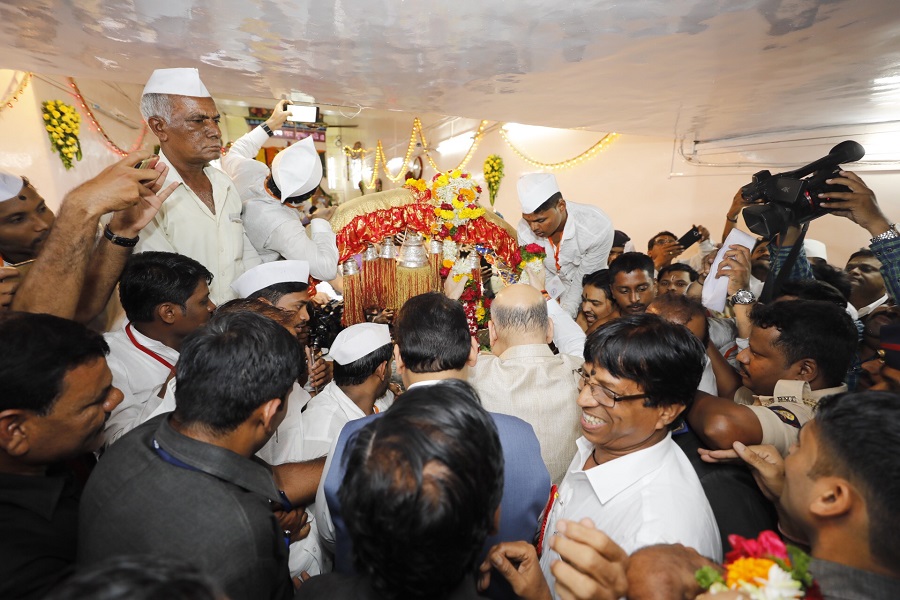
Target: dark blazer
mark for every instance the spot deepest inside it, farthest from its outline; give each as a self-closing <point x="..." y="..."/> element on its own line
<point x="195" y="501"/>
<point x="526" y="490"/>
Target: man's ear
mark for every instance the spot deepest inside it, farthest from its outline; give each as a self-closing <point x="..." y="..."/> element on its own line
<point x="380" y="370"/>
<point x="401" y="367"/>
<point x="473" y="352"/>
<point x="549" y="330"/>
<point x="14" y="432"/>
<point x="269" y="411"/>
<point x="833" y="497"/>
<point x="561" y="205"/>
<point x="159" y="128"/>
<point x="807" y="369"/>
<point x="492" y="334"/>
<point x="168" y="312"/>
<point x="667" y="414"/>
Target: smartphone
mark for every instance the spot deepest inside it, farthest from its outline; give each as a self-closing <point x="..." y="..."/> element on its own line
<point x="690" y="238"/>
<point x="303" y="114"/>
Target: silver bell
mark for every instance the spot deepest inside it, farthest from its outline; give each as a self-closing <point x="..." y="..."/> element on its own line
<point x="350" y="268"/>
<point x="370" y="253"/>
<point x="388" y="249"/>
<point x="412" y="252"/>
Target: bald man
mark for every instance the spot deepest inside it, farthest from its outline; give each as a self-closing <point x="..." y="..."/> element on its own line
<point x="522" y="377"/>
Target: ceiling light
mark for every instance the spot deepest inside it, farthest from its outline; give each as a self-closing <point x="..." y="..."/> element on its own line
<point x="456" y="144"/>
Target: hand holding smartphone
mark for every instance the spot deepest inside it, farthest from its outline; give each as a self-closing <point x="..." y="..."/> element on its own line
<point x="690" y="238"/>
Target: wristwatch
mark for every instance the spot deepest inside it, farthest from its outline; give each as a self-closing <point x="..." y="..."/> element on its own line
<point x="742" y="297"/>
<point x="890" y="234"/>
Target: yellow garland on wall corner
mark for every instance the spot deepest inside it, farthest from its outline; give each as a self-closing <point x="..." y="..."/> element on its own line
<point x="90" y="115"/>
<point x="417" y="132"/>
<point x="585" y="156"/>
<point x="14" y="97"/>
<point x="63" y="123"/>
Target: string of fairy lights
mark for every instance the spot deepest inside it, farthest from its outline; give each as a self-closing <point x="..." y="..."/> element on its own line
<point x="417" y="133"/>
<point x="9" y="101"/>
<point x="85" y="107"/>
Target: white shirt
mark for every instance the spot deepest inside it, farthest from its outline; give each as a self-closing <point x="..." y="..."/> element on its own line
<point x="567" y="335"/>
<point x="584" y="248"/>
<point x="652" y="496"/>
<point x="137" y="374"/>
<point x="274" y="229"/>
<point x="217" y="241"/>
<point x="324" y="418"/>
<point x="862" y="312"/>
<point x="708" y="382"/>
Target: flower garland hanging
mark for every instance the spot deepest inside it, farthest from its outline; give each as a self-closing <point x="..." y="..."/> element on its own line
<point x="762" y="569"/>
<point x="63" y="124"/>
<point x="493" y="174"/>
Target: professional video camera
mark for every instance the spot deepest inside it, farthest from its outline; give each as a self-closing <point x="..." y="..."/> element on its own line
<point x="788" y="198"/>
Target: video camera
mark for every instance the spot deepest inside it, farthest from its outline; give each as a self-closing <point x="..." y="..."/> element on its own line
<point x="788" y="198"/>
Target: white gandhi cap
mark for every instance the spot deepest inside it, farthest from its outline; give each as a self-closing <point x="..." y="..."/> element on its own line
<point x="297" y="169"/>
<point x="815" y="249"/>
<point x="266" y="274"/>
<point x="356" y="341"/>
<point x="179" y="82"/>
<point x="535" y="189"/>
<point x="10" y="186"/>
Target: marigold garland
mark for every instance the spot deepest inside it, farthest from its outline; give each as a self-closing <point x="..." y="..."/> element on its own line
<point x="63" y="124"/>
<point x="493" y="174"/>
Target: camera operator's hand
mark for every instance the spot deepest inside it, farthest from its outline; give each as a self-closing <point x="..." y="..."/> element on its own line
<point x="664" y="254"/>
<point x="280" y="114"/>
<point x="859" y="204"/>
<point x="704" y="233"/>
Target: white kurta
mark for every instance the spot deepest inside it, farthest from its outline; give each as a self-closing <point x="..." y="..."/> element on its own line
<point x="586" y="241"/>
<point x="324" y="418"/>
<point x="217" y="241"/>
<point x="276" y="230"/>
<point x="137" y="374"/>
<point x="652" y="496"/>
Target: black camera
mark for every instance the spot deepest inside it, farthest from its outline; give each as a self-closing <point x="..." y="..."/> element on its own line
<point x="325" y="323"/>
<point x="792" y="198"/>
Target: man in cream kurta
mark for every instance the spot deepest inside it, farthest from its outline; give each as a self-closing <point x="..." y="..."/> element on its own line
<point x="522" y="377"/>
<point x="202" y="218"/>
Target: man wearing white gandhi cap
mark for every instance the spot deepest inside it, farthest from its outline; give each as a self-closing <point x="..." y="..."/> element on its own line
<point x="285" y="284"/>
<point x="202" y="218"/>
<point x="272" y="222"/>
<point x="576" y="237"/>
<point x="362" y="357"/>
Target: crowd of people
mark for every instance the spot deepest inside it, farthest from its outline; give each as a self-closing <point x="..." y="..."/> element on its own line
<point x="610" y="440"/>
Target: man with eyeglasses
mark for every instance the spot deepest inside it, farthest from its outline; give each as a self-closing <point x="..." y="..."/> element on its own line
<point x="628" y="476"/>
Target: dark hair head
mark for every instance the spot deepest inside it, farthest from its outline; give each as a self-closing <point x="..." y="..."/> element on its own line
<point x="858" y="434"/>
<point x="810" y="289"/>
<point x="276" y="191"/>
<point x="231" y="367"/>
<point x="145" y="577"/>
<point x="551" y="202"/>
<point x="652" y="241"/>
<point x="863" y="253"/>
<point x="36" y="353"/>
<point x="600" y="280"/>
<point x="362" y="368"/>
<point x="285" y="318"/>
<point x="273" y="293"/>
<point x="631" y="261"/>
<point x="812" y="329"/>
<point x="676" y="268"/>
<point x="435" y="460"/>
<point x="839" y="278"/>
<point x="152" y="278"/>
<point x="664" y="358"/>
<point x="432" y="334"/>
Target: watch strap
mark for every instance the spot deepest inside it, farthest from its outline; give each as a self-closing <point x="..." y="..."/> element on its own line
<point x="119" y="240"/>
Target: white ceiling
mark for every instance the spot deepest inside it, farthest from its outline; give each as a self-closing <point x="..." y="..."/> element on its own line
<point x="702" y="69"/>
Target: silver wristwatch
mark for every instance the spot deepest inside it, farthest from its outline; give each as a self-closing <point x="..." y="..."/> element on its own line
<point x="890" y="234"/>
<point x="743" y="297"/>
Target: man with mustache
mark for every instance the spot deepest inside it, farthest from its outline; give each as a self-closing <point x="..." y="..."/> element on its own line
<point x="56" y="393"/>
<point x="202" y="219"/>
<point x="633" y="283"/>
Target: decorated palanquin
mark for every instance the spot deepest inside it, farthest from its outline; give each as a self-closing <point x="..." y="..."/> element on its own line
<point x="445" y="233"/>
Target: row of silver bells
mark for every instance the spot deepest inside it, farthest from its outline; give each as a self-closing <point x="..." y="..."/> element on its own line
<point x="412" y="253"/>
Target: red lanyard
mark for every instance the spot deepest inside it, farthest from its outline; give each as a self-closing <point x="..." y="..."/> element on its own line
<point x="146" y="350"/>
<point x="556" y="249"/>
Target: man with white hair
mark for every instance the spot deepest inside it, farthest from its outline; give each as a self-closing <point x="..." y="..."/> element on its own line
<point x="576" y="237"/>
<point x="273" y="223"/>
<point x="202" y="218"/>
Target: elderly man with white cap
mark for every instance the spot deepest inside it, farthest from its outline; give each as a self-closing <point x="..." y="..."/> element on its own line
<point x="576" y="237"/>
<point x="362" y="357"/>
<point x="202" y="219"/>
<point x="271" y="220"/>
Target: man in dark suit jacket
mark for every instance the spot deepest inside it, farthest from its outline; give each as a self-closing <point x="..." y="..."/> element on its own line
<point x="433" y="344"/>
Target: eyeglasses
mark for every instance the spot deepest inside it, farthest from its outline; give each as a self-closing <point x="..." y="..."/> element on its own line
<point x="603" y="394"/>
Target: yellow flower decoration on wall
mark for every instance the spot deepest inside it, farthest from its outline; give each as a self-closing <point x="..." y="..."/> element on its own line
<point x="63" y="123"/>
